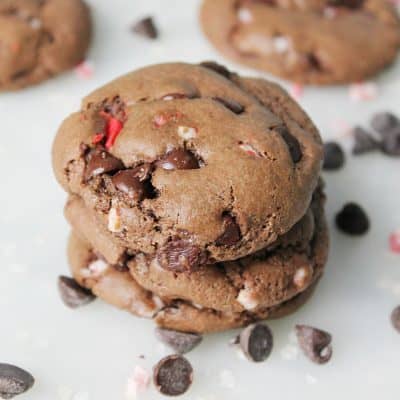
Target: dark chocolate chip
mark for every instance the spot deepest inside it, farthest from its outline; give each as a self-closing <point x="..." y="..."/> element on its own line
<point x="127" y="182"/>
<point x="72" y="294"/>
<point x="14" y="381"/>
<point x="146" y="27"/>
<point x="315" y="343"/>
<point x="391" y="142"/>
<point x="178" y="159"/>
<point x="364" y="142"/>
<point x="256" y="342"/>
<point x="99" y="161"/>
<point x="231" y="234"/>
<point x="334" y="157"/>
<point x="292" y="143"/>
<point x="230" y="104"/>
<point x="395" y="318"/>
<point x="352" y="220"/>
<point x="384" y="122"/>
<point x="218" y="68"/>
<point x="180" y="342"/>
<point x="115" y="108"/>
<point x="173" y="375"/>
<point x="181" y="255"/>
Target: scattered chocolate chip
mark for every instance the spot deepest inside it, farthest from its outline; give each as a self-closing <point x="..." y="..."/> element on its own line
<point x="391" y="142"/>
<point x="292" y="143"/>
<point x="315" y="343"/>
<point x="352" y="220"/>
<point x="14" y="381"/>
<point x="99" y="161"/>
<point x="178" y="159"/>
<point x="334" y="157"/>
<point x="395" y="318"/>
<point x="364" y="142"/>
<point x="146" y="28"/>
<point x="256" y="342"/>
<point x="180" y="342"/>
<point x="384" y="122"/>
<point x="231" y="234"/>
<point x="230" y="104"/>
<point x="72" y="294"/>
<point x="181" y="255"/>
<point x="173" y="375"/>
<point x="218" y="68"/>
<point x="127" y="182"/>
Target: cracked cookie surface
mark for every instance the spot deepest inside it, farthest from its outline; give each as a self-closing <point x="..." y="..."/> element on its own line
<point x="317" y="41"/>
<point x="40" y="39"/>
<point x="186" y="163"/>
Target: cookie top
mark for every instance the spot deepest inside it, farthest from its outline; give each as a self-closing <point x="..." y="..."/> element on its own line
<point x="41" y="38"/>
<point x="190" y="162"/>
<point x="315" y="41"/>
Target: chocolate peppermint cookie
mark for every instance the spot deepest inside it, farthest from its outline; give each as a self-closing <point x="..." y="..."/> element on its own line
<point x="40" y="39"/>
<point x="190" y="165"/>
<point x="316" y="41"/>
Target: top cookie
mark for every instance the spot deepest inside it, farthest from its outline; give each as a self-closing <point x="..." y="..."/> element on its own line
<point x="190" y="162"/>
<point x="40" y="38"/>
<point x="313" y="41"/>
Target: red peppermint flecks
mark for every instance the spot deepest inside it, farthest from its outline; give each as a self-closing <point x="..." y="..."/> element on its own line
<point x="114" y="127"/>
<point x="394" y="242"/>
<point x="98" y="138"/>
<point x="163" y="118"/>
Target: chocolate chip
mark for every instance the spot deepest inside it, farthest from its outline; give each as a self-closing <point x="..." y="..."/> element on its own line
<point x="364" y="142"/>
<point x="315" y="343"/>
<point x="292" y="143"/>
<point x="173" y="375"/>
<point x="14" y="381"/>
<point x="256" y="342"/>
<point x="395" y="318"/>
<point x="178" y="159"/>
<point x="334" y="157"/>
<point x="218" y="68"/>
<point x="127" y="182"/>
<point x="99" y="161"/>
<point x="180" y="342"/>
<point x="72" y="294"/>
<point x="391" y="142"/>
<point x="352" y="220"/>
<point x="146" y="28"/>
<point x="230" y="104"/>
<point x="384" y="122"/>
<point x="181" y="255"/>
<point x="231" y="234"/>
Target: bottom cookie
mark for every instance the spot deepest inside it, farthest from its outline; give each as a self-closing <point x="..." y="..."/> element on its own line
<point x="117" y="287"/>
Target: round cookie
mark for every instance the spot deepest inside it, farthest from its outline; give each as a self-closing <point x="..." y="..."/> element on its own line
<point x="261" y="280"/>
<point x="40" y="39"/>
<point x="175" y="160"/>
<point x="317" y="41"/>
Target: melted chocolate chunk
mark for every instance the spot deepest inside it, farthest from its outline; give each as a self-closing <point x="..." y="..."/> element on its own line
<point x="315" y="343"/>
<point x="178" y="159"/>
<point x="173" y="375"/>
<point x="126" y="181"/>
<point x="230" y="104"/>
<point x="218" y="68"/>
<point x="181" y="255"/>
<point x="231" y="234"/>
<point x="99" y="161"/>
<point x="292" y="143"/>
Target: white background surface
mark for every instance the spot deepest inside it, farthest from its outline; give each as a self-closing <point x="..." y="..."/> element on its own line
<point x="89" y="354"/>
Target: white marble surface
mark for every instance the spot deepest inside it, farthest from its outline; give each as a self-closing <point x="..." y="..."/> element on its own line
<point x="89" y="354"/>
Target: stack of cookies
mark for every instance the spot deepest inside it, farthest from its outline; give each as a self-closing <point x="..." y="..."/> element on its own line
<point x="194" y="197"/>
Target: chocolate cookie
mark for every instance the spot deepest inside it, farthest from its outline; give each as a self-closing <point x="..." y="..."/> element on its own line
<point x="174" y="160"/>
<point x="40" y="39"/>
<point x="316" y="41"/>
<point x="221" y="296"/>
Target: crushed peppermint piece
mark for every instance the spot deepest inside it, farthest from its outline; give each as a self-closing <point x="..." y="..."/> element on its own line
<point x="296" y="91"/>
<point x="84" y="70"/>
<point x="249" y="149"/>
<point x="281" y="44"/>
<point x="394" y="242"/>
<point x="247" y="300"/>
<point x="138" y="382"/>
<point x="187" y="132"/>
<point x="244" y="15"/>
<point x="94" y="269"/>
<point x="363" y="91"/>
